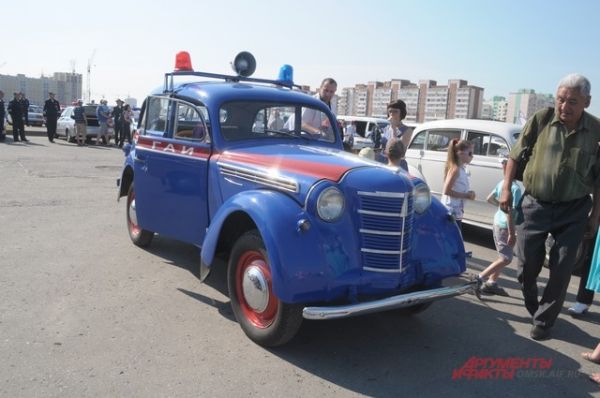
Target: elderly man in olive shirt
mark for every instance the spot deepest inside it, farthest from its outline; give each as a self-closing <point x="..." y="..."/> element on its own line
<point x="562" y="171"/>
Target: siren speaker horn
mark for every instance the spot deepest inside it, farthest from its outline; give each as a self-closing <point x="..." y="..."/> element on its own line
<point x="244" y="64"/>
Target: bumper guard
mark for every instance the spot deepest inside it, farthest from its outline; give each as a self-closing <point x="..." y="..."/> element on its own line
<point x="390" y="303"/>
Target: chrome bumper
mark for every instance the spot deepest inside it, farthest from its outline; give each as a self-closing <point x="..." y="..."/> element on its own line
<point x="389" y="303"/>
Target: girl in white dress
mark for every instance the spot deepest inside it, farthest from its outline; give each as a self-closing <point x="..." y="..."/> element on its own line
<point x="456" y="181"/>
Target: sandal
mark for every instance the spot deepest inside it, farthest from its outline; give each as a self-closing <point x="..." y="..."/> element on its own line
<point x="595" y="377"/>
<point x="588" y="356"/>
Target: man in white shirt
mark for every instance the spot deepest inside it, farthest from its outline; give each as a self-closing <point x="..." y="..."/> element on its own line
<point x="312" y="119"/>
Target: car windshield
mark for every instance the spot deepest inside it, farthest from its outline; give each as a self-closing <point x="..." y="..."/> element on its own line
<point x="251" y="120"/>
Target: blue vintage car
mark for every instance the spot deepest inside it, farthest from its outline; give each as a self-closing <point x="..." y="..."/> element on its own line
<point x="253" y="171"/>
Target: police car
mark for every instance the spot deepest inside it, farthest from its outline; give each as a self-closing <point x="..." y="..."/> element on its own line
<point x="233" y="165"/>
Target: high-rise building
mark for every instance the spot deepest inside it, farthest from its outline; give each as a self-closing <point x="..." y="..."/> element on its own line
<point x="409" y="93"/>
<point x="66" y="86"/>
<point x="360" y="100"/>
<point x="380" y="95"/>
<point x="495" y="109"/>
<point x="524" y="103"/>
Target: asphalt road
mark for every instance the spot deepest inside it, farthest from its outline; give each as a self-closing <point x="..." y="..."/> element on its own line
<point x="84" y="313"/>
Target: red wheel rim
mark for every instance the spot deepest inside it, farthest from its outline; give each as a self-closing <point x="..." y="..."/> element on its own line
<point x="260" y="319"/>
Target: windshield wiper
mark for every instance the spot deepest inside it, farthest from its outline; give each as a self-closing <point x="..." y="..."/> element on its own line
<point x="283" y="133"/>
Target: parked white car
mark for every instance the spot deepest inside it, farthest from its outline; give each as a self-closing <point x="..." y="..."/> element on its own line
<point x="365" y="127"/>
<point x="492" y="140"/>
<point x="65" y="125"/>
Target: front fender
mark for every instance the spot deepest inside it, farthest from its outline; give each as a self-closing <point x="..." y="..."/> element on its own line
<point x="276" y="217"/>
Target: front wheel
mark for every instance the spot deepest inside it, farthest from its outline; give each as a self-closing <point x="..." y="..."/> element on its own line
<point x="139" y="237"/>
<point x="263" y="317"/>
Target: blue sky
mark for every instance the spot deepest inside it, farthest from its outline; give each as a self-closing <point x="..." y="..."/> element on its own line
<point x="502" y="46"/>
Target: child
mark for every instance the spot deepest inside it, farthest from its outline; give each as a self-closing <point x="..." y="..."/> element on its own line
<point x="504" y="237"/>
<point x="396" y="152"/>
<point x="456" y="180"/>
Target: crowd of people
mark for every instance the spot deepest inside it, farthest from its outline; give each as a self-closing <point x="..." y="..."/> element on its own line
<point x="115" y="122"/>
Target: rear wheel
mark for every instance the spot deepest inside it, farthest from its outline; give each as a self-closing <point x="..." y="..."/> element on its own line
<point x="263" y="317"/>
<point x="139" y="236"/>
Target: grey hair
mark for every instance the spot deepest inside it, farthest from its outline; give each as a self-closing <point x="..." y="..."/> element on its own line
<point x="577" y="82"/>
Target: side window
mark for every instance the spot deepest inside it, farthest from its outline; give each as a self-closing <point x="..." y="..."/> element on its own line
<point x="480" y="142"/>
<point x="361" y="128"/>
<point x="189" y="124"/>
<point x="260" y="121"/>
<point x="497" y="147"/>
<point x="157" y="116"/>
<point x="438" y="140"/>
<point x="419" y="141"/>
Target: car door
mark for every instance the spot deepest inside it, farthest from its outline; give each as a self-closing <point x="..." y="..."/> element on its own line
<point x="171" y="170"/>
<point x="433" y="155"/>
<point x="485" y="171"/>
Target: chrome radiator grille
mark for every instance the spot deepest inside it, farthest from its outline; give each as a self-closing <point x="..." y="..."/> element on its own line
<point x="385" y="225"/>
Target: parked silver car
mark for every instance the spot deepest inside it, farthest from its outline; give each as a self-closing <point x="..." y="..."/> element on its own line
<point x="491" y="140"/>
<point x="36" y="115"/>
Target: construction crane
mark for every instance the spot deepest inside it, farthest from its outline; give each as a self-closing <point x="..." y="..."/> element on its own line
<point x="89" y="75"/>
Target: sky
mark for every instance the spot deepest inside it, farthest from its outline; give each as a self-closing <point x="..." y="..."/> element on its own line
<point x="502" y="46"/>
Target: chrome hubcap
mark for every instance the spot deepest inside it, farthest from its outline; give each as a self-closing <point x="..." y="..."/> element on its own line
<point x="255" y="288"/>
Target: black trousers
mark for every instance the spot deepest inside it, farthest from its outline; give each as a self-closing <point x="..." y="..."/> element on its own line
<point x="118" y="128"/>
<point x="566" y="221"/>
<point x="51" y="127"/>
<point x="18" y="129"/>
<point x="125" y="133"/>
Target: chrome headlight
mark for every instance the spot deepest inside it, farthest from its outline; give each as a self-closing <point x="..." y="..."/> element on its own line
<point x="330" y="204"/>
<point x="421" y="197"/>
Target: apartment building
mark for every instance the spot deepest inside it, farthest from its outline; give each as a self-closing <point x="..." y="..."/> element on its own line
<point x="524" y="103"/>
<point x="66" y="86"/>
<point x="495" y="109"/>
<point x="425" y="101"/>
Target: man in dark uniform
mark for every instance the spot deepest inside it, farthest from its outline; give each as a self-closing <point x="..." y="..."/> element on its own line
<point x="25" y="106"/>
<point x="2" y="116"/>
<point x="51" y="113"/>
<point x="117" y="114"/>
<point x="16" y="113"/>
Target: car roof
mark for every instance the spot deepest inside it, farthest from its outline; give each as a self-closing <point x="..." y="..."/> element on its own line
<point x="492" y="126"/>
<point x="215" y="93"/>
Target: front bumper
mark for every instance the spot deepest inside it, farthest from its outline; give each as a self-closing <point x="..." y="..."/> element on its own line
<point x="390" y="303"/>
